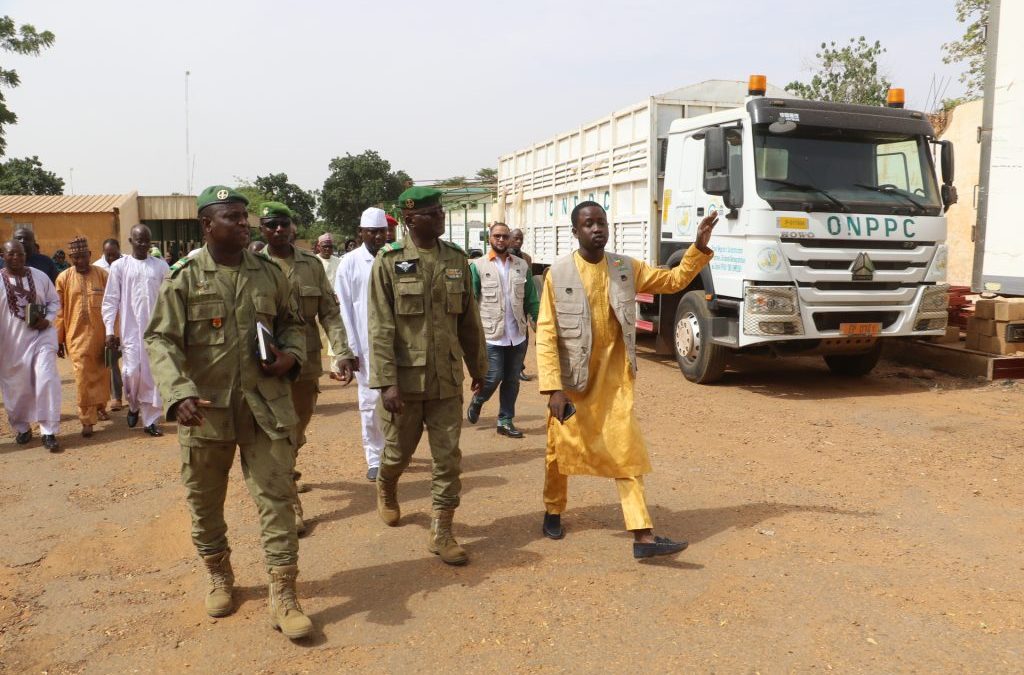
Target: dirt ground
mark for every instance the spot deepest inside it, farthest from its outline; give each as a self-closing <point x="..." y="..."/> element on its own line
<point x="854" y="526"/>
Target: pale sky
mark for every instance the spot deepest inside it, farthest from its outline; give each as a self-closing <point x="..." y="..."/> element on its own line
<point x="439" y="89"/>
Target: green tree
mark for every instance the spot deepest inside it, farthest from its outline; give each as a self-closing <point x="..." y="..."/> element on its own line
<point x="28" y="177"/>
<point x="971" y="47"/>
<point x="301" y="202"/>
<point x="846" y="74"/>
<point x="25" y="40"/>
<point x="356" y="183"/>
<point x="487" y="175"/>
<point x="255" y="196"/>
<point x="454" y="180"/>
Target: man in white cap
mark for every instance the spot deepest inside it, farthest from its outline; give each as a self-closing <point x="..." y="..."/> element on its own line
<point x="352" y="284"/>
<point x="325" y="251"/>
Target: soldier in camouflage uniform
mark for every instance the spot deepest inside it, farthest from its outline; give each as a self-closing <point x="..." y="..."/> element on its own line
<point x="424" y="323"/>
<point x="201" y="346"/>
<point x="315" y="298"/>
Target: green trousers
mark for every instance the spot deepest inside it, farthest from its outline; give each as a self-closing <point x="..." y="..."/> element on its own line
<point x="304" y="396"/>
<point x="443" y="420"/>
<point x="267" y="465"/>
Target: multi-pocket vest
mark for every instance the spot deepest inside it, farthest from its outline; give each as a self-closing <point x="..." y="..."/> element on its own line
<point x="572" y="312"/>
<point x="492" y="296"/>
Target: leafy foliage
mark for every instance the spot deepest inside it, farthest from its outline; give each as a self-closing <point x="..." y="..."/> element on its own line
<point x="356" y="183"/>
<point x="846" y="74"/>
<point x="24" y="40"/>
<point x="301" y="202"/>
<point x="971" y="47"/>
<point x="487" y="175"/>
<point x="28" y="177"/>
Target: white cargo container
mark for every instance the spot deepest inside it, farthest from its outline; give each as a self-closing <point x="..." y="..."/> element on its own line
<point x="617" y="161"/>
<point x="999" y="245"/>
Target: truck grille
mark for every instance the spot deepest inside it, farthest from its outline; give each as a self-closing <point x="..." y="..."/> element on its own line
<point x="822" y="270"/>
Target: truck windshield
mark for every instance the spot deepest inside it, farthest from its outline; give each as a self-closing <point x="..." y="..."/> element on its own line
<point x="825" y="169"/>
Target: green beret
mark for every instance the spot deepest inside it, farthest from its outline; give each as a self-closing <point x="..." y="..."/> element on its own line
<point x="271" y="210"/>
<point x="219" y="194"/>
<point x="419" y="198"/>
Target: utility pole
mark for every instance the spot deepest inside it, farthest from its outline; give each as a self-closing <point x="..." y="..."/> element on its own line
<point x="188" y="153"/>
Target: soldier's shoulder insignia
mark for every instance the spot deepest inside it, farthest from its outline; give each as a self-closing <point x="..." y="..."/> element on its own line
<point x="393" y="246"/>
<point x="178" y="266"/>
<point x="454" y="247"/>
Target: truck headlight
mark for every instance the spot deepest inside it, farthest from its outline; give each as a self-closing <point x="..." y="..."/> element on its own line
<point x="770" y="300"/>
<point x="940" y="263"/>
<point x="771" y="310"/>
<point x="932" y="313"/>
<point x="935" y="298"/>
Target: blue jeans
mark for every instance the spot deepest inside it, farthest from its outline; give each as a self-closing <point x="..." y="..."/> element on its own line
<point x="504" y="366"/>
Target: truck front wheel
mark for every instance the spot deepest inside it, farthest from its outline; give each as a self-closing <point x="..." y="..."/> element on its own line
<point x="854" y="365"/>
<point x="701" y="360"/>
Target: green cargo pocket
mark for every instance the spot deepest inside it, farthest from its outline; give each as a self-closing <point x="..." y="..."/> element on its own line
<point x="456" y="293"/>
<point x="277" y="394"/>
<point x="412" y="371"/>
<point x="206" y="323"/>
<point x="309" y="297"/>
<point x="409" y="298"/>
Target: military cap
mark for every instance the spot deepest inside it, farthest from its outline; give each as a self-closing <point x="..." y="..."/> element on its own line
<point x="219" y="194"/>
<point x="419" y="198"/>
<point x="271" y="210"/>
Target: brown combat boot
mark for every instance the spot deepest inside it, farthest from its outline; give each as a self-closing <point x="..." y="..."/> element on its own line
<point x="222" y="579"/>
<point x="285" y="613"/>
<point x="387" y="501"/>
<point x="442" y="542"/>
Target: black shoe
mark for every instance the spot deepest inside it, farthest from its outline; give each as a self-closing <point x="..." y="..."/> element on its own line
<point x="152" y="430"/>
<point x="133" y="418"/>
<point x="553" y="526"/>
<point x="661" y="546"/>
<point x="506" y="428"/>
<point x="51" y="444"/>
<point x="371" y="473"/>
<point x="473" y="411"/>
<point x="23" y="438"/>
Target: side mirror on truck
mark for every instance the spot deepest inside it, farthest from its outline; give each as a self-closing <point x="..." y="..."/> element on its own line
<point x="949" y="196"/>
<point x="716" y="162"/>
<point x="717" y="180"/>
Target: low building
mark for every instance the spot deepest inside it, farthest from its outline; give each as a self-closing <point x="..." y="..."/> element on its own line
<point x="56" y="220"/>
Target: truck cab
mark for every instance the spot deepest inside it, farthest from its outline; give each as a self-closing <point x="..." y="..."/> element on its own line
<point x="831" y="232"/>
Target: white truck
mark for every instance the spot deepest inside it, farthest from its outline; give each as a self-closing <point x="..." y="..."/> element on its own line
<point x="831" y="231"/>
<point x="999" y="244"/>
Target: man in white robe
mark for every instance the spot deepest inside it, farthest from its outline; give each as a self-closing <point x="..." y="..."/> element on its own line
<point x="29" y="381"/>
<point x="132" y="289"/>
<point x="352" y="285"/>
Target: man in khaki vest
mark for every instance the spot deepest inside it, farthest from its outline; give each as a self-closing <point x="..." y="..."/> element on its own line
<point x="586" y="358"/>
<point x="504" y="288"/>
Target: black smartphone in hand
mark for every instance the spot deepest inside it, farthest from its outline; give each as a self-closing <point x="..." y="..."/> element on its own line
<point x="568" y="411"/>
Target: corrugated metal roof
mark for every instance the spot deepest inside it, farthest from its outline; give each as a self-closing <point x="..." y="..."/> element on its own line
<point x="11" y="204"/>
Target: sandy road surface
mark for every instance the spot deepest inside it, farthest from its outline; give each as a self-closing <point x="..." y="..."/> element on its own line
<point x="855" y="526"/>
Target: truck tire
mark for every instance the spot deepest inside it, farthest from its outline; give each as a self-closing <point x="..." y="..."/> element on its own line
<point x="854" y="365"/>
<point x="700" y="360"/>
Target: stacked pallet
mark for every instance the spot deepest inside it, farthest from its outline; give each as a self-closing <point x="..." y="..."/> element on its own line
<point x="997" y="326"/>
<point x="959" y="306"/>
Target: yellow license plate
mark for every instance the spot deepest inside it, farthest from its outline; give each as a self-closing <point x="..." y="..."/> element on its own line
<point x="860" y="328"/>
